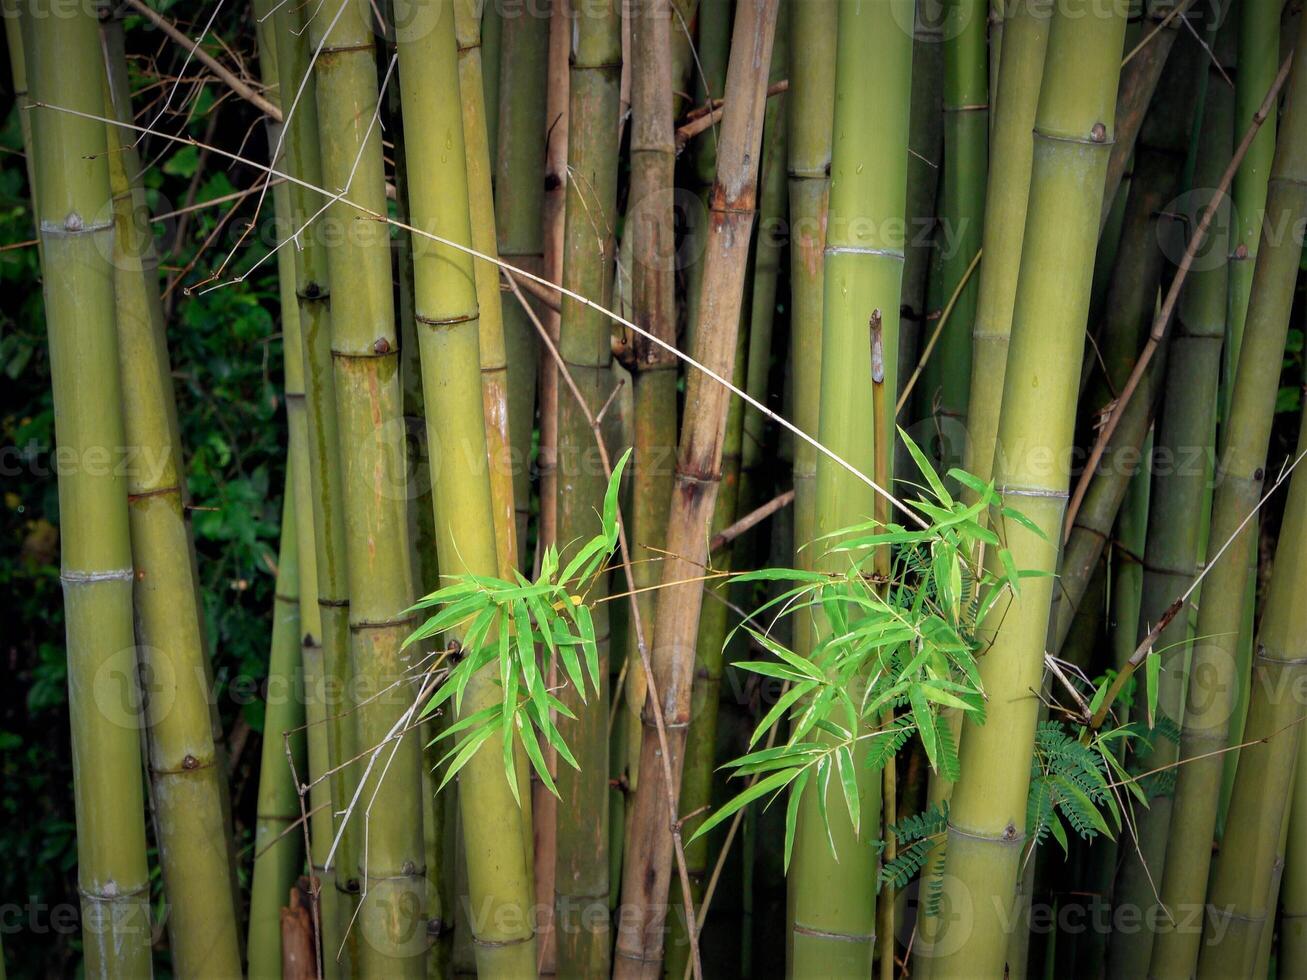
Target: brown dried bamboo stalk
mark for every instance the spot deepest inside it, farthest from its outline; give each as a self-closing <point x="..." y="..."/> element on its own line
<point x="652" y="831"/>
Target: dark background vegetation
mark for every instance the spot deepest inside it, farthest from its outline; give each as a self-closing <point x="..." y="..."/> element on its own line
<point x="226" y="360"/>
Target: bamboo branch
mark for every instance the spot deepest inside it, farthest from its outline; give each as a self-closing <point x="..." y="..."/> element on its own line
<point x="209" y="61"/>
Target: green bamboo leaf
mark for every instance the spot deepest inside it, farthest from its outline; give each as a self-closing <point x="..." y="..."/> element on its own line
<point x="587" y="629"/>
<point x="925" y="727"/>
<point x="849" y="783"/>
<point x="465" y="751"/>
<point x="610" y="500"/>
<point x="526" y="731"/>
<point x="792" y="816"/>
<point x="768" y="784"/>
<point x="923" y="464"/>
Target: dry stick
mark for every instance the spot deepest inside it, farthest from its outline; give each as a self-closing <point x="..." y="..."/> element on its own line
<point x="1146" y="644"/>
<point x="711" y="117"/>
<point x="206" y="59"/>
<point x="935" y="335"/>
<point x="1163" y="319"/>
<point x="659" y="727"/>
<point x="756" y="516"/>
<point x="517" y="273"/>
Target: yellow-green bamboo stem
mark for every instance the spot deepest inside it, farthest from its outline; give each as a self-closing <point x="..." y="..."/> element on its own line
<point x="278" y="844"/>
<point x="76" y="224"/>
<point x="1073" y="137"/>
<point x="1239" y="483"/>
<point x="1180" y="497"/>
<point x="811" y="109"/>
<point x="494" y="827"/>
<point x="325" y="621"/>
<point x="832" y="897"/>
<point x="649" y="846"/>
<point x="519" y="194"/>
<point x="1241" y="898"/>
<point x="652" y="234"/>
<point x="494" y="353"/>
<point x="186" y="769"/>
<point x="1258" y="60"/>
<point x="1293" y="890"/>
<point x="391" y="925"/>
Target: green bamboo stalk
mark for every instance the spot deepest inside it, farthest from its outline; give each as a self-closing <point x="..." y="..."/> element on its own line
<point x="1025" y="39"/>
<point x="446" y="312"/>
<point x="325" y="620"/>
<point x="652" y="240"/>
<point x="581" y="885"/>
<point x="519" y="230"/>
<point x="1242" y="894"/>
<point x="278" y="845"/>
<point x="494" y="352"/>
<point x="1073" y="133"/>
<point x="1293" y="888"/>
<point x="1239" y="481"/>
<point x="1128" y="315"/>
<point x="492" y="66"/>
<point x="1180" y="498"/>
<point x="1258" y="60"/>
<point x="833" y="901"/>
<point x="813" y="24"/>
<point x="186" y="768"/>
<point x="18" y="73"/>
<point x="75" y="223"/>
<point x="947" y="375"/>
<point x="296" y="655"/>
<point x="648" y="857"/>
<point x="365" y="357"/>
<point x="1025" y="35"/>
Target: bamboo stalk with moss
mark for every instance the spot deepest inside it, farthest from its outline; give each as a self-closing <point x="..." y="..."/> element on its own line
<point x="648" y="857"/>
<point x="74" y="214"/>
<point x="1073" y="133"/>
<point x="831" y="890"/>
<point x="653" y="369"/>
<point x="369" y="413"/>
<point x="186" y="765"/>
<point x="494" y="827"/>
<point x="581" y="885"/>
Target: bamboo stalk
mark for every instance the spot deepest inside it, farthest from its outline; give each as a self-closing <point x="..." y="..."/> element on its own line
<point x="813" y="24"/>
<point x="326" y="620"/>
<point x="278" y="849"/>
<point x="1129" y="308"/>
<point x="519" y="228"/>
<point x="1180" y="497"/>
<point x="961" y="212"/>
<point x="494" y="352"/>
<point x="1140" y="75"/>
<point x="494" y="827"/>
<point x="1025" y="39"/>
<point x="1258" y="60"/>
<point x="1239" y="481"/>
<point x="1292" y="960"/>
<point x="650" y="217"/>
<point x="832" y="895"/>
<point x="74" y="222"/>
<point x="647" y="865"/>
<point x="1073" y="133"/>
<point x="581" y="886"/>
<point x="186" y="768"/>
<point x="365" y="355"/>
<point x="1244" y="881"/>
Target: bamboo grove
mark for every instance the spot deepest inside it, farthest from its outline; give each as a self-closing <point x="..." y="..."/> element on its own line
<point x="767" y="487"/>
